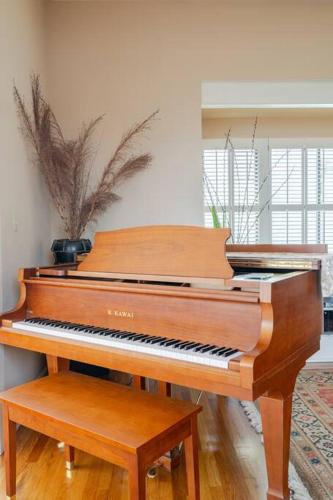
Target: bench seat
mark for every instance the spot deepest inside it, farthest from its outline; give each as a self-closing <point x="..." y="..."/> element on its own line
<point x="127" y="427"/>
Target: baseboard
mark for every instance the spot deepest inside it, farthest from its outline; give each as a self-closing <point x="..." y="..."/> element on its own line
<point x="325" y="355"/>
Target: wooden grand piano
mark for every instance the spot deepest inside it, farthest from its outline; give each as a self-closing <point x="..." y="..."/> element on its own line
<point x="163" y="302"/>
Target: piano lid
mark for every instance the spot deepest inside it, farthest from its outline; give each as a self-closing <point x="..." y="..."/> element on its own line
<point x="187" y="251"/>
<point x="270" y="256"/>
<point x="295" y="262"/>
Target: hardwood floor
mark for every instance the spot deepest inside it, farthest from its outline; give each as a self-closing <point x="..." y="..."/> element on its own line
<point x="232" y="464"/>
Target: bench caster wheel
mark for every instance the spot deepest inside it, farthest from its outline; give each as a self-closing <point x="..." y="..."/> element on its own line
<point x="152" y="472"/>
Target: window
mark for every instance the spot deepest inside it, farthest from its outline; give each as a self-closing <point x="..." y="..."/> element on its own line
<point x="287" y="195"/>
<point x="231" y="185"/>
<point x="271" y="194"/>
<point x="302" y="209"/>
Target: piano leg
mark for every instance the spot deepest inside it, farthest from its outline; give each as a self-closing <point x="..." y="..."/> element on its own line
<point x="55" y="365"/>
<point x="276" y="421"/>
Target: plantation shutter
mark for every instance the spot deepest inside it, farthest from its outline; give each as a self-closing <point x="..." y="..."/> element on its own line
<point x="245" y="168"/>
<point x="320" y="196"/>
<point x="287" y="195"/>
<point x="216" y="187"/>
<point x="231" y="185"/>
<point x="302" y="195"/>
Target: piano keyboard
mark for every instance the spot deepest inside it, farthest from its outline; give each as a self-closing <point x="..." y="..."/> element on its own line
<point x="193" y="352"/>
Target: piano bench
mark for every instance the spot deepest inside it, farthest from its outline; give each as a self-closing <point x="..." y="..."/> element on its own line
<point x="129" y="428"/>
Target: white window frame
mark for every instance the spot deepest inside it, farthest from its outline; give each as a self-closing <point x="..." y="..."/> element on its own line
<point x="263" y="146"/>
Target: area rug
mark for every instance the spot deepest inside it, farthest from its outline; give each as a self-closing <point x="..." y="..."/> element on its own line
<point x="311" y="451"/>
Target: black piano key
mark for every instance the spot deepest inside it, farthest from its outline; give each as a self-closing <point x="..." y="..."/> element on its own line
<point x="131" y="336"/>
<point x="166" y="342"/>
<point x="110" y="333"/>
<point x="176" y="344"/>
<point x="201" y="346"/>
<point x="182" y="345"/>
<point x="219" y="349"/>
<point x="148" y="339"/>
<point x="139" y="338"/>
<point x="170" y="342"/>
<point x="226" y="351"/>
<point x="233" y="351"/>
<point x="209" y="348"/>
<point x="143" y="340"/>
<point x="114" y="333"/>
<point x="163" y="342"/>
<point x="158" y="340"/>
<point x="104" y="333"/>
<point x="191" y="346"/>
<point x="117" y="334"/>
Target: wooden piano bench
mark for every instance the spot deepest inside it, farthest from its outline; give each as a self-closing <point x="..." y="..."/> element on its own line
<point x="129" y="428"/>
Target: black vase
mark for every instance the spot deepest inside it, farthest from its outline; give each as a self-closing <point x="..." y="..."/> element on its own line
<point x="65" y="251"/>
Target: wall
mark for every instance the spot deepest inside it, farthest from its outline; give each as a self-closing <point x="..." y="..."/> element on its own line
<point x="24" y="212"/>
<point x="290" y="126"/>
<point x="129" y="58"/>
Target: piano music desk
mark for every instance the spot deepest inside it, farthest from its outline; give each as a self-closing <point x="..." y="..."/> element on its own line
<point x="97" y="417"/>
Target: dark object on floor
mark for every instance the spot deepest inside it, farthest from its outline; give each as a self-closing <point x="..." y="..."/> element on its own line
<point x="92" y="370"/>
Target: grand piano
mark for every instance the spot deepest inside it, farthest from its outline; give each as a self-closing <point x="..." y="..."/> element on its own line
<point x="165" y="303"/>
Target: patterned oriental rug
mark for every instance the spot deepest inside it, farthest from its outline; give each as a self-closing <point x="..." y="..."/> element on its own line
<point x="311" y="451"/>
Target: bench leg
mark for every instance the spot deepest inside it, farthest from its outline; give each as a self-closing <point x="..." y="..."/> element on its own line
<point x="9" y="428"/>
<point x="56" y="365"/>
<point x="69" y="457"/>
<point x="192" y="462"/>
<point x="136" y="480"/>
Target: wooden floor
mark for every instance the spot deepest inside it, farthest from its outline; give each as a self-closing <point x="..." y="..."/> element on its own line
<point x="232" y="464"/>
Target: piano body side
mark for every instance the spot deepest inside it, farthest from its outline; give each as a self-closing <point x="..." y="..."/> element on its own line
<point x="19" y="311"/>
<point x="291" y="326"/>
<point x="273" y="328"/>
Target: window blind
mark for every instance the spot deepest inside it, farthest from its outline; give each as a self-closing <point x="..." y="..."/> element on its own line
<point x="231" y="186"/>
<point x="302" y="195"/>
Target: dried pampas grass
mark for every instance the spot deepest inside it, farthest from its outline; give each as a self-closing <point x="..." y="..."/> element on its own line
<point x="66" y="164"/>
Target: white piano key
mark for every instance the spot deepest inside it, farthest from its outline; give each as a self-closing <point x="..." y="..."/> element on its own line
<point x="128" y="345"/>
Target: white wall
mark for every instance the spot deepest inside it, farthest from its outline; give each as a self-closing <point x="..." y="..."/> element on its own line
<point x="24" y="208"/>
<point x="129" y="58"/>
